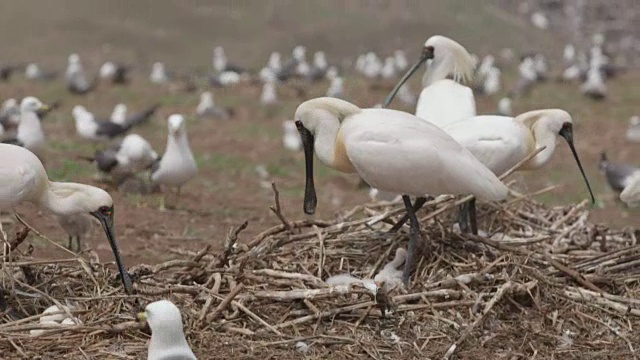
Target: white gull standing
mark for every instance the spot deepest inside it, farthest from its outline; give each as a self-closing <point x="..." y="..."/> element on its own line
<point x="177" y="165"/>
<point x="167" y="334"/>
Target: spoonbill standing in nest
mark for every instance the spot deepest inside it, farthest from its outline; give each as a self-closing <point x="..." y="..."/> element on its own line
<point x="392" y="151"/>
<point x="24" y="179"/>
<point x="500" y="142"/>
<point x="442" y="101"/>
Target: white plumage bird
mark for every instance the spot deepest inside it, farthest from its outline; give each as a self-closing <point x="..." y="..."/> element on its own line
<point x="268" y="95"/>
<point x="336" y="88"/>
<point x="30" y="134"/>
<point x="24" y="179"/>
<point x="290" y="138"/>
<point x="442" y="101"/>
<point x="631" y="193"/>
<point x="167" y="335"/>
<point x="392" y="151"/>
<point x="177" y="165"/>
<point x="158" y="73"/>
<point x="119" y="114"/>
<point x="633" y="132"/>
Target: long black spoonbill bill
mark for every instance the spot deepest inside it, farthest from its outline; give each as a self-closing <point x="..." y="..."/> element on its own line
<point x="24" y="179"/>
<point x="392" y="151"/>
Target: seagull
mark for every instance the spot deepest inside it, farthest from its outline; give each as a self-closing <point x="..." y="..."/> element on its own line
<point x="114" y="72"/>
<point x="400" y="60"/>
<point x="594" y="87"/>
<point x="24" y="179"/>
<point x="504" y="106"/>
<point x="291" y="138"/>
<point x="88" y="127"/>
<point x="77" y="82"/>
<point x="221" y="64"/>
<point x="30" y="134"/>
<point x="119" y="115"/>
<point x="491" y="84"/>
<point x="336" y="88"/>
<point x="618" y="175"/>
<point x="631" y="193"/>
<point x="633" y="132"/>
<point x="125" y="157"/>
<point x="275" y="63"/>
<point x="76" y="227"/>
<point x="528" y="76"/>
<point x="177" y="165"/>
<point x="167" y="335"/>
<point x="320" y="66"/>
<point x="269" y="95"/>
<point x="207" y="108"/>
<point x="158" y="74"/>
<point x="392" y="151"/>
<point x="34" y="72"/>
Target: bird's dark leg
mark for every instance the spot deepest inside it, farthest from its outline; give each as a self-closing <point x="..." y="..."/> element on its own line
<point x="467" y="217"/>
<point x="472" y="216"/>
<point x="420" y="201"/>
<point x="70" y="245"/>
<point x="414" y="236"/>
<point x="79" y="248"/>
<point x="463" y="218"/>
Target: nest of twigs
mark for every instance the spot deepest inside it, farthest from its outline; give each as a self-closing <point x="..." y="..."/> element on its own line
<point x="541" y="283"/>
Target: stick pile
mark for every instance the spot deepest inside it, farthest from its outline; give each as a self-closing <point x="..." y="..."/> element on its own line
<point x="541" y="283"/>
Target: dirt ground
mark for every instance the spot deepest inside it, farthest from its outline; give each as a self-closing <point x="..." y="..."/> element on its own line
<point x="227" y="190"/>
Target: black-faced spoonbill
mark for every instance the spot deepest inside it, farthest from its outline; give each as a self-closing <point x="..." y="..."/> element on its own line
<point x="500" y="142"/>
<point x="442" y="101"/>
<point x="167" y="335"/>
<point x="24" y="179"/>
<point x="392" y="151"/>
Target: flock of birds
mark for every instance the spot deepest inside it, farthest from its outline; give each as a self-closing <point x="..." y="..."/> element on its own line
<point x="444" y="148"/>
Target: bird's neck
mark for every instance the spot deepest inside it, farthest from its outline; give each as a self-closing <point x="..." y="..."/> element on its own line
<point x="178" y="142"/>
<point x="166" y="340"/>
<point x="436" y="71"/>
<point x="543" y="137"/>
<point x="60" y="198"/>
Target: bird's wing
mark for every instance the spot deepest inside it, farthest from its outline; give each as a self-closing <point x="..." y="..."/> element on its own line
<point x="446" y="102"/>
<point x="16" y="182"/>
<point x="497" y="141"/>
<point x="619" y="175"/>
<point x="395" y="151"/>
<point x="110" y="129"/>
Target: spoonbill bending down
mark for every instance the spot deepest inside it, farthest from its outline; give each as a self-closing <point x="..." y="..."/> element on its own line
<point x="442" y="101"/>
<point x="500" y="142"/>
<point x="24" y="179"/>
<point x="392" y="151"/>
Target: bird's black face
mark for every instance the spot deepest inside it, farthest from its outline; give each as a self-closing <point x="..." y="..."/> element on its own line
<point x="427" y="53"/>
<point x="567" y="133"/>
<point x="310" y="199"/>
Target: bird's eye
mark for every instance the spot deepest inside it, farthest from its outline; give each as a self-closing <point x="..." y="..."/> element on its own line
<point x="299" y="124"/>
<point x="106" y="210"/>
